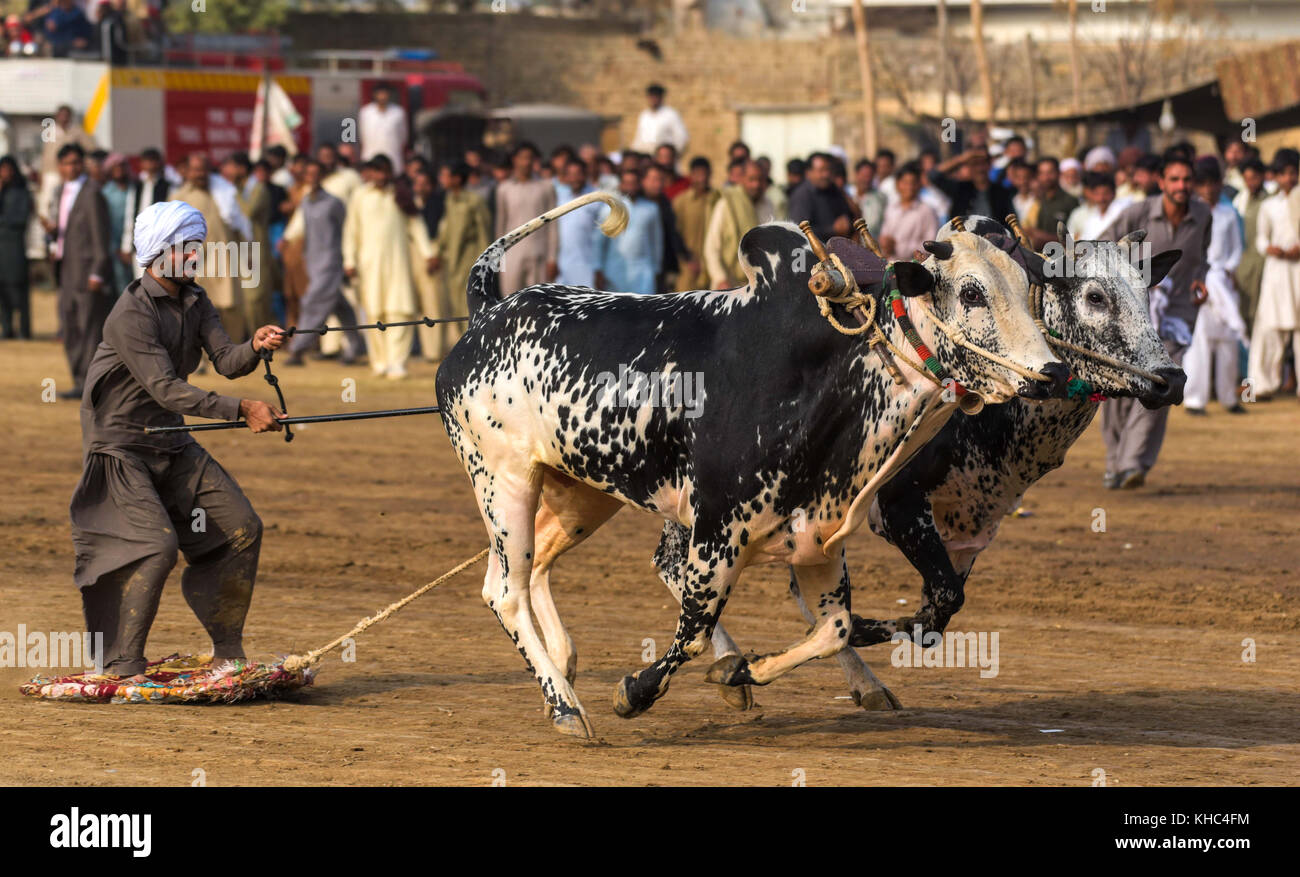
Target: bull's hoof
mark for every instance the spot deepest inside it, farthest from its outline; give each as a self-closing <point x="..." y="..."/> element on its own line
<point x="730" y="670"/>
<point x="573" y="725"/>
<point x="740" y="697"/>
<point x="877" y="699"/>
<point x="629" y="702"/>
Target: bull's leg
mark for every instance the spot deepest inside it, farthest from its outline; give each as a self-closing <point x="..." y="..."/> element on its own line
<point x="868" y="691"/>
<point x="830" y="633"/>
<point x="570" y="511"/>
<point x="508" y="502"/>
<point x="710" y="570"/>
<point x="907" y="521"/>
<point x="668" y="560"/>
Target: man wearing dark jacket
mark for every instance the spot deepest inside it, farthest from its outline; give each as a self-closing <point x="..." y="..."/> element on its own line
<point x="819" y="201"/>
<point x="965" y="180"/>
<point x="83" y="253"/>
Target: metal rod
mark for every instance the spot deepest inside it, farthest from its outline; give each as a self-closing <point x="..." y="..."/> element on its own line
<point x="381" y="326"/>
<point x="312" y="418"/>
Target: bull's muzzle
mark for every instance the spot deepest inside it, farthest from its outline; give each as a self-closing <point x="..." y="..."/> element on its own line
<point x="1171" y="393"/>
<point x="1059" y="375"/>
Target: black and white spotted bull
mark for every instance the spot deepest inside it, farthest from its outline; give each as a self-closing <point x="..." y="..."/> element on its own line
<point x="799" y="427"/>
<point x="945" y="505"/>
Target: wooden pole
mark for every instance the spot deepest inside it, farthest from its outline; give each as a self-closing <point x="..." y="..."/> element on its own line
<point x="868" y="85"/>
<point x="1076" y="73"/>
<point x="943" y="58"/>
<point x="1033" y="87"/>
<point x="981" y="57"/>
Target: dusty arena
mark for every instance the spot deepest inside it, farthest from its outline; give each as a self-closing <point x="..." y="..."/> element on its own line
<point x="1121" y="652"/>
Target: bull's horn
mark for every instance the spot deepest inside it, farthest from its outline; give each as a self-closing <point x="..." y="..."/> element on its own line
<point x="818" y="250"/>
<point x="1061" y="231"/>
<point x="868" y="241"/>
<point x="940" y="249"/>
<point x="1136" y="236"/>
<point x="957" y="224"/>
<point x="1013" y="223"/>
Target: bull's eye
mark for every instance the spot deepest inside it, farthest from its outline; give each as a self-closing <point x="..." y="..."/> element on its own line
<point x="1096" y="299"/>
<point x="972" y="295"/>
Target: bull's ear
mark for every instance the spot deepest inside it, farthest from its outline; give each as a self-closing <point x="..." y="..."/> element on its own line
<point x="1163" y="263"/>
<point x="913" y="279"/>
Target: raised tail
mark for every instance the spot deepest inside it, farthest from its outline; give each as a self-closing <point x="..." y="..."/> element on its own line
<point x="483" y="289"/>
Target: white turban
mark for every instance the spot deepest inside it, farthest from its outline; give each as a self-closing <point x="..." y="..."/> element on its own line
<point x="1098" y="155"/>
<point x="166" y="223"/>
<point x="1071" y="164"/>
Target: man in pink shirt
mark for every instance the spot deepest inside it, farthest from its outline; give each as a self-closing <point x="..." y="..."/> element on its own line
<point x="908" y="222"/>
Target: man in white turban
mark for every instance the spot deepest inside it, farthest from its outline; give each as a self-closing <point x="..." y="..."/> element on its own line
<point x="142" y="497"/>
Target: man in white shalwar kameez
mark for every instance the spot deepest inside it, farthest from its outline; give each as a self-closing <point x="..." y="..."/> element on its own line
<point x="1278" y="315"/>
<point x="378" y="237"/>
<point x="1219" y="327"/>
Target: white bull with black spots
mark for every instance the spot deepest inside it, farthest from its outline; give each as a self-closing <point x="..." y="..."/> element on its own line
<point x="799" y="426"/>
<point x="945" y="505"/>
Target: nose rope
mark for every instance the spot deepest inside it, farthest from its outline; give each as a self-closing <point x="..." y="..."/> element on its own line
<point x="1054" y="338"/>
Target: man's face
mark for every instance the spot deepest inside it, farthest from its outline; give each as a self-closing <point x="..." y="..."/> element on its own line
<point x="422" y="185"/>
<point x="1253" y="179"/>
<point x="348" y="151"/>
<point x="63" y="118"/>
<point x="523" y="162"/>
<point x="445" y="178"/>
<point x="700" y="178"/>
<point x="1286" y="178"/>
<point x="230" y="171"/>
<point x="654" y="100"/>
<point x="71" y="166"/>
<point x="382" y="97"/>
<point x="150" y="167"/>
<point x="819" y="173"/>
<point x="653" y="183"/>
<point x="575" y="175"/>
<point x="196" y="171"/>
<point x="754" y="181"/>
<point x="1049" y="176"/>
<point x="666" y="156"/>
<point x="1234" y="153"/>
<point x="884" y="166"/>
<point x="1209" y="191"/>
<point x="328" y="157"/>
<point x="1019" y="177"/>
<point x="1145" y="180"/>
<point x="629" y="183"/>
<point x="311" y="176"/>
<point x="979" y="165"/>
<point x="1015" y="149"/>
<point x="1099" y="196"/>
<point x="1176" y="183"/>
<point x="908" y="186"/>
<point x="862" y="178"/>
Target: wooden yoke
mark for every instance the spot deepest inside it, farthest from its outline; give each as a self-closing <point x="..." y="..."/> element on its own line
<point x="826" y="279"/>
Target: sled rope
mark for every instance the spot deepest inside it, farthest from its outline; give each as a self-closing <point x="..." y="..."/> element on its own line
<point x="296" y="663"/>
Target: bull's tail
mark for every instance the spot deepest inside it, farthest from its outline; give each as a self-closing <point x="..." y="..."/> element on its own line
<point x="484" y="289"/>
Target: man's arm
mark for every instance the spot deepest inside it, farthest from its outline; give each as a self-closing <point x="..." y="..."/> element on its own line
<point x="135" y="339"/>
<point x="230" y="360"/>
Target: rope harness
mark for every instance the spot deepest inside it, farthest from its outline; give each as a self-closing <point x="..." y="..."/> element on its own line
<point x="834" y="284"/>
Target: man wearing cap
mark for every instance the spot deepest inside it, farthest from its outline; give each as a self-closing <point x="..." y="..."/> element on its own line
<point x="142" y="498"/>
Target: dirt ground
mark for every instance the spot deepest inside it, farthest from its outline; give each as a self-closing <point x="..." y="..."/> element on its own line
<point x="1127" y="644"/>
